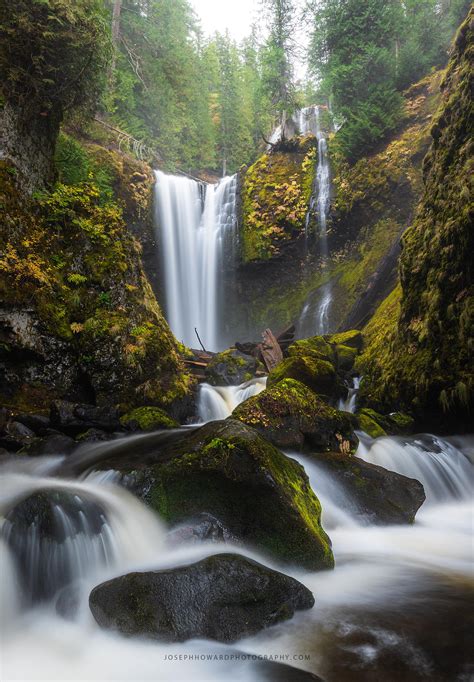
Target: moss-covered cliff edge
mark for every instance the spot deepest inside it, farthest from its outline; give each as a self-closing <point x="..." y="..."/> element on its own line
<point x="420" y="340"/>
<point x="78" y="318"/>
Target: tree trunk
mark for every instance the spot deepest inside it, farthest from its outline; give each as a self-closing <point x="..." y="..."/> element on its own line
<point x="30" y="145"/>
<point x="117" y="9"/>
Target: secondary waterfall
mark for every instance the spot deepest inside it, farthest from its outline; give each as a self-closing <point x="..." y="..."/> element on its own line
<point x="197" y="235"/>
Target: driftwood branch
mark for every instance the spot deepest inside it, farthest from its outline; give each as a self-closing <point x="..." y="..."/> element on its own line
<point x="199" y="339"/>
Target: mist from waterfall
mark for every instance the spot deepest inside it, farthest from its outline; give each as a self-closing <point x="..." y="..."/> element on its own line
<point x="196" y="226"/>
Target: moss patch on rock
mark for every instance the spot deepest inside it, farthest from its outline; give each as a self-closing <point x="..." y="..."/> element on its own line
<point x="276" y="191"/>
<point x="147" y="419"/>
<point x="319" y="375"/>
<point x="315" y="346"/>
<point x="290" y="414"/>
<point x="231" y="367"/>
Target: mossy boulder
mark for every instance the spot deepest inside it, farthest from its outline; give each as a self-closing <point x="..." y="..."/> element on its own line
<point x="231" y="367"/>
<point x="223" y="597"/>
<point x="229" y="470"/>
<point x="370" y="425"/>
<point x="315" y="346"/>
<point x="375" y="493"/>
<point x="346" y="357"/>
<point x="147" y="419"/>
<point x="319" y="375"/>
<point x="351" y="339"/>
<point x="291" y="415"/>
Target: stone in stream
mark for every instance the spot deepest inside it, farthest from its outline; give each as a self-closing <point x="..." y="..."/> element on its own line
<point x="228" y="470"/>
<point x="231" y="367"/>
<point x="381" y="495"/>
<point x="291" y="415"/>
<point x="318" y="375"/>
<point x="40" y="531"/>
<point x="223" y="597"/>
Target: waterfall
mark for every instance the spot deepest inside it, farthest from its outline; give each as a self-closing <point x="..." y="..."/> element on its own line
<point x="349" y="404"/>
<point x="197" y="235"/>
<point x="444" y="470"/>
<point x="218" y="402"/>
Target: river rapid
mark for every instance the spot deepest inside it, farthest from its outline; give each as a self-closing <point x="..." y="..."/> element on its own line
<point x="396" y="607"/>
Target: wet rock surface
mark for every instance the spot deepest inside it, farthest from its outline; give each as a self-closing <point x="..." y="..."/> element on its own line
<point x="382" y="496"/>
<point x="223" y="597"/>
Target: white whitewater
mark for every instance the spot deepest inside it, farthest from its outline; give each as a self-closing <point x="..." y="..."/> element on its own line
<point x="197" y="232"/>
<point x="377" y="568"/>
<point x="218" y="402"/>
<point x="349" y="404"/>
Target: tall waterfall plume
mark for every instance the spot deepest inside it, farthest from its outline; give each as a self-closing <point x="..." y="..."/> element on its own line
<point x="197" y="234"/>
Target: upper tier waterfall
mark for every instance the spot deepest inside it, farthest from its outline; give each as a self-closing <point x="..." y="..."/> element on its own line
<point x="197" y="236"/>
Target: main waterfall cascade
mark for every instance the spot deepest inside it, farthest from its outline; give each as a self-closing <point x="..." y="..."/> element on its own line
<point x="197" y="235"/>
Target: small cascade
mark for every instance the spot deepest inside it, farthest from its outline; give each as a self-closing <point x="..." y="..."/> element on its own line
<point x="349" y="404"/>
<point x="60" y="534"/>
<point x="444" y="470"/>
<point x="197" y="233"/>
<point x="218" y="402"/>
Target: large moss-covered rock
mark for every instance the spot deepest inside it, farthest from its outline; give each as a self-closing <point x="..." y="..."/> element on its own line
<point x="78" y="318"/>
<point x="231" y="367"/>
<point x="229" y="470"/>
<point x="318" y="375"/>
<point x="351" y="339"/>
<point x="379" y="495"/>
<point x="223" y="597"/>
<point x="315" y="346"/>
<point x="419" y="358"/>
<point x="291" y="415"/>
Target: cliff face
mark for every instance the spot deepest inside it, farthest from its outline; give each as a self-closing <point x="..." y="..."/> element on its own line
<point x="425" y="366"/>
<point x="372" y="203"/>
<point x="78" y="318"/>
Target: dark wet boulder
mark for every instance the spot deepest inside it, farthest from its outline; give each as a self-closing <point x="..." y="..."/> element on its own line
<point x="319" y="375"/>
<point x="53" y="444"/>
<point x="15" y="436"/>
<point x="39" y="423"/>
<point x="231" y="367"/>
<point x="223" y="597"/>
<point x="147" y="418"/>
<point x="380" y="495"/>
<point x="204" y="528"/>
<point x="291" y="415"/>
<point x="228" y="470"/>
<point x="75" y="418"/>
<point x="37" y="529"/>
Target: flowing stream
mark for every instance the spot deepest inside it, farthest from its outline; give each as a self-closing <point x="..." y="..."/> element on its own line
<point x="357" y="631"/>
<point x="197" y="236"/>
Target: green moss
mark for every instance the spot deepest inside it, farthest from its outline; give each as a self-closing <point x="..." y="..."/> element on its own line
<point x="148" y="419"/>
<point x="351" y="339"/>
<point x="346" y="357"/>
<point x="419" y="358"/>
<point x="291" y="415"/>
<point x="68" y="258"/>
<point x="315" y="346"/>
<point x="230" y="471"/>
<point x="275" y="197"/>
<point x="319" y="375"/>
<point x="369" y="425"/>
